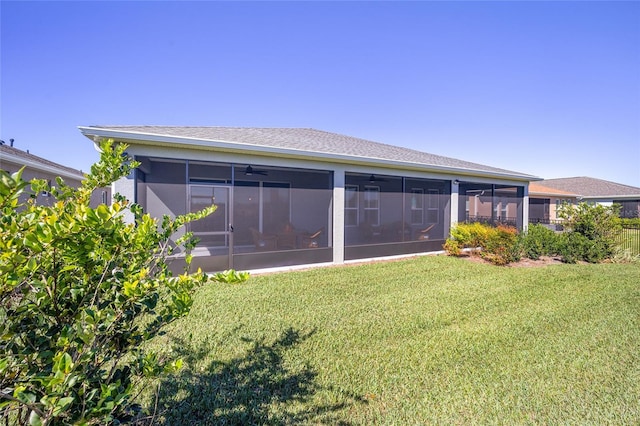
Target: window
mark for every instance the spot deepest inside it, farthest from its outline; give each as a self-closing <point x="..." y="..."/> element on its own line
<point x="351" y="205"/>
<point x="417" y="206"/>
<point x="372" y="205"/>
<point x="433" y="206"/>
<point x="501" y="209"/>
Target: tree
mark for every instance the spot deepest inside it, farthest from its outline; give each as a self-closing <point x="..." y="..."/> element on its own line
<point x="81" y="290"/>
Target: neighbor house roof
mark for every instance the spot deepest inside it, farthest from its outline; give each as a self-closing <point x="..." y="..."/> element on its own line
<point x="535" y="188"/>
<point x="589" y="187"/>
<point x="22" y="158"/>
<point x="297" y="142"/>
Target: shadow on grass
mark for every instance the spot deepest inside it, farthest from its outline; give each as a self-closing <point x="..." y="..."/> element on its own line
<point x="255" y="389"/>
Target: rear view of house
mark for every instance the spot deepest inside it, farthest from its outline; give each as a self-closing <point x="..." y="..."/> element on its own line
<point x="291" y="196"/>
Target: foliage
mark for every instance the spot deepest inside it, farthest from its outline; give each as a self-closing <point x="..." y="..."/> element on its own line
<point x="81" y="289"/>
<point x="590" y="232"/>
<point x="630" y="222"/>
<point x="453" y="247"/>
<point x="231" y="276"/>
<point x="539" y="241"/>
<point x="469" y="236"/>
<point x="622" y="255"/>
<point x="499" y="245"/>
<point x="503" y="245"/>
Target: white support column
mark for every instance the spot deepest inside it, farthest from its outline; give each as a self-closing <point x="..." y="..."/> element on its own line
<point x="525" y="208"/>
<point x="125" y="186"/>
<point x="455" y="188"/>
<point x="338" y="215"/>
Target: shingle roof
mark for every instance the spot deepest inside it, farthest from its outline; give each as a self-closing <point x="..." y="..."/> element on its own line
<point x="24" y="158"/>
<point x="310" y="141"/>
<point x="592" y="187"/>
<point x="536" y="188"/>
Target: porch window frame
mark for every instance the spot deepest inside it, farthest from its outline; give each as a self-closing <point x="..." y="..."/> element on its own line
<point x="419" y="194"/>
<point x="371" y="189"/>
<point x="351" y="211"/>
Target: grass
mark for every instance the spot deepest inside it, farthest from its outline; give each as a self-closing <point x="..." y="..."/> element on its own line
<point x="431" y="340"/>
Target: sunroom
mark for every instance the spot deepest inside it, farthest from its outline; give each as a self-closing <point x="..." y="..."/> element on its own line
<point x="288" y="197"/>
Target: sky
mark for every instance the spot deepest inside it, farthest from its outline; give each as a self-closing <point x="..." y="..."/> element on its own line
<point x="546" y="88"/>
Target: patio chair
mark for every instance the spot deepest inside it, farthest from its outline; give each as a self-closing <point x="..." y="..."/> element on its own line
<point x="423" y="234"/>
<point x="312" y="240"/>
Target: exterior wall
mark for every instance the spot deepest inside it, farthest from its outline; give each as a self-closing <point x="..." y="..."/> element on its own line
<point x="629" y="206"/>
<point x="29" y="173"/>
<point x="553" y="204"/>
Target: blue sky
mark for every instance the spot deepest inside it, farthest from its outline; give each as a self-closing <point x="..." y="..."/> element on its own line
<point x="546" y="88"/>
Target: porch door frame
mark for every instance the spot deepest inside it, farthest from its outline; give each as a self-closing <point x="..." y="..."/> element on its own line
<point x="228" y="221"/>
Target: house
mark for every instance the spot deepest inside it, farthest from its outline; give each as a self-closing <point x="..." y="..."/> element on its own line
<point x="544" y="202"/>
<point x="296" y="196"/>
<point x="13" y="159"/>
<point x="600" y="191"/>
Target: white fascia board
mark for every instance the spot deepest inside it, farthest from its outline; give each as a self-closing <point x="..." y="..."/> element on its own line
<point x="611" y="197"/>
<point x="21" y="161"/>
<point x="231" y="146"/>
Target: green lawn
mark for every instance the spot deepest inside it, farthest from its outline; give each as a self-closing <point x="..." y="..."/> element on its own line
<point x="430" y="340"/>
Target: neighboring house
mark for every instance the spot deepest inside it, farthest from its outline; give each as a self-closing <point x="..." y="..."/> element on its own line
<point x="13" y="159"/>
<point x="290" y="196"/>
<point x="600" y="191"/>
<point x="544" y="202"/>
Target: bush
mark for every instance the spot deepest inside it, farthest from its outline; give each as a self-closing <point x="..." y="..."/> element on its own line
<point x="81" y="289"/>
<point x="590" y="232"/>
<point x="630" y="222"/>
<point x="472" y="236"/>
<point x="574" y="247"/>
<point x="539" y="241"/>
<point x="499" y="245"/>
<point x="502" y="246"/>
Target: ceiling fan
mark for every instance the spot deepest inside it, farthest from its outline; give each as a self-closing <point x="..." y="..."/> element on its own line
<point x="374" y="179"/>
<point x="250" y="171"/>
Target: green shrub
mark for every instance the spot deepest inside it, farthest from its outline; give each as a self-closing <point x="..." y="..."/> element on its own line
<point x="472" y="236"/>
<point x="502" y="245"/>
<point x="539" y="241"/>
<point x="630" y="222"/>
<point x="80" y="290"/>
<point x="590" y="232"/>
<point x="574" y="247"/>
<point x="499" y="245"/>
<point x="452" y="247"/>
